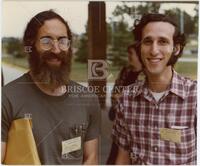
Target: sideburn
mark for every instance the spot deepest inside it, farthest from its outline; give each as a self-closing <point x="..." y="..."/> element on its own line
<point x="172" y="60"/>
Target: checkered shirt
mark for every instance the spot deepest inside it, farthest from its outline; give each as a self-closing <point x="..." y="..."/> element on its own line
<point x="140" y="118"/>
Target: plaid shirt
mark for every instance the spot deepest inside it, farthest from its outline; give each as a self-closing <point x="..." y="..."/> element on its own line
<point x="140" y="118"/>
<point x="126" y="77"/>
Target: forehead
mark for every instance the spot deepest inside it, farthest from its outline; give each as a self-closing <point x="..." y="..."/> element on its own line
<point x="53" y="27"/>
<point x="158" y="29"/>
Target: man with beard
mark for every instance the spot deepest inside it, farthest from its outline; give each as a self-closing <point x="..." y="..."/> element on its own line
<point x="156" y="118"/>
<point x="59" y="116"/>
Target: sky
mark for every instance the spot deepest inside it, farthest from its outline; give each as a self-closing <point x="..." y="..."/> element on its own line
<point x="16" y="13"/>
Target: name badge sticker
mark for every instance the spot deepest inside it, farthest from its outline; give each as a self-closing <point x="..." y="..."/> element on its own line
<point x="71" y="145"/>
<point x="170" y="135"/>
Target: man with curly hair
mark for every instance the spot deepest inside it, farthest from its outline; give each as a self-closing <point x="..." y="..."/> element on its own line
<point x="65" y="121"/>
<point x="156" y="118"/>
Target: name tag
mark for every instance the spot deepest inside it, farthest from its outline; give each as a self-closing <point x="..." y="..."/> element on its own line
<point x="170" y="135"/>
<point x="71" y="145"/>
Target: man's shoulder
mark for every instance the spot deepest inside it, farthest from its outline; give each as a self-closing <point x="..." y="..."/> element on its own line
<point x="134" y="89"/>
<point x="187" y="82"/>
<point x="184" y="86"/>
<point x="75" y="87"/>
<point x="75" y="84"/>
<point x="16" y="84"/>
<point x="80" y="89"/>
<point x="83" y="95"/>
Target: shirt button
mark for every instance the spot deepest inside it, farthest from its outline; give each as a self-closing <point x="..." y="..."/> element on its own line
<point x="155" y="126"/>
<point x="155" y="148"/>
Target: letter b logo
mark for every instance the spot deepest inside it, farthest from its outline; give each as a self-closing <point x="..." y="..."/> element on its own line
<point x="97" y="69"/>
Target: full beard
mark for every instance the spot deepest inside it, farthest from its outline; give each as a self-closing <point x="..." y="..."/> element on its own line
<point x="51" y="76"/>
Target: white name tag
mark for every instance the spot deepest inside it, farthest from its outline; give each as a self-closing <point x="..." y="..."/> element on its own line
<point x="71" y="145"/>
<point x="179" y="127"/>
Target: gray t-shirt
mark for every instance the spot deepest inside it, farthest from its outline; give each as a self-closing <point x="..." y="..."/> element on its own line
<point x="55" y="118"/>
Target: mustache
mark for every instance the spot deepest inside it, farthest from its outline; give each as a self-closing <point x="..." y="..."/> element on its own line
<point x="49" y="55"/>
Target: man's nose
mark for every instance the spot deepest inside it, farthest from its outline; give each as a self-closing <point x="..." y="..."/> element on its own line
<point x="56" y="49"/>
<point x="154" y="49"/>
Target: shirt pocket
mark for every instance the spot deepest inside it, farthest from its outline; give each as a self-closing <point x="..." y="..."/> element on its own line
<point x="183" y="152"/>
<point x="76" y="130"/>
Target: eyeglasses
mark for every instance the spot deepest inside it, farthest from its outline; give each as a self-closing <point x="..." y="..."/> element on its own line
<point x="47" y="43"/>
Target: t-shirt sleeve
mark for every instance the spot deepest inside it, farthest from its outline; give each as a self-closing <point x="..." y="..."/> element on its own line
<point x="6" y="117"/>
<point x="93" y="130"/>
<point x="120" y="132"/>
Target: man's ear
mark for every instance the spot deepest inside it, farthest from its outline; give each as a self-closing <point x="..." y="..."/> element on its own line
<point x="176" y="49"/>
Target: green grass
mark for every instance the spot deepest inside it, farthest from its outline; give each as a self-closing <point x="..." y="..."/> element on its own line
<point x="79" y="71"/>
<point x="20" y="62"/>
<point x="188" y="69"/>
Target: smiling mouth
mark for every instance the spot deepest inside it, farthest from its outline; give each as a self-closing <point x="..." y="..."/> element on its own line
<point x="154" y="60"/>
<point x="53" y="59"/>
<point x="56" y="61"/>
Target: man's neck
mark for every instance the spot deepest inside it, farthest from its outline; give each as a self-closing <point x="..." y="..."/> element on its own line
<point x="49" y="89"/>
<point x="160" y="83"/>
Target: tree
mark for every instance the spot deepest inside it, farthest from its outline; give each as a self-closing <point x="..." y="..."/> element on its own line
<point x="133" y="11"/>
<point x="82" y="49"/>
<point x="189" y="22"/>
<point x="14" y="47"/>
<point x="121" y="37"/>
<point x="196" y="18"/>
<point x="150" y="7"/>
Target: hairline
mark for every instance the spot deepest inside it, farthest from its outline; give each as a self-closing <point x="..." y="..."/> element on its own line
<point x="175" y="28"/>
<point x="51" y="20"/>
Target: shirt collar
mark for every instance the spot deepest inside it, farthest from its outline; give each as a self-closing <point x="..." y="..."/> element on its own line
<point x="176" y="86"/>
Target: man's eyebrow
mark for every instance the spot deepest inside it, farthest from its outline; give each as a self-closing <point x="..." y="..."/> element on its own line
<point x="164" y="38"/>
<point x="60" y="37"/>
<point x="46" y="37"/>
<point x="161" y="37"/>
<point x="147" y="37"/>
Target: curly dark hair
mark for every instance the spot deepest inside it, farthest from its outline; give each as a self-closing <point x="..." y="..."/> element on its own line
<point x="178" y="37"/>
<point x="30" y="36"/>
<point x="37" y="22"/>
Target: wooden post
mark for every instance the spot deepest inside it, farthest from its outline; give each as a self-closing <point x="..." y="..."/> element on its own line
<point x="97" y="71"/>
